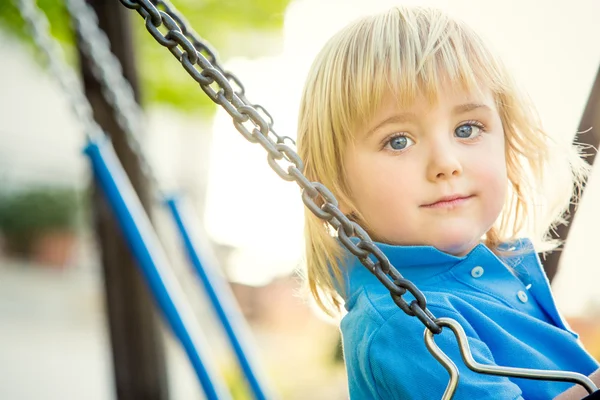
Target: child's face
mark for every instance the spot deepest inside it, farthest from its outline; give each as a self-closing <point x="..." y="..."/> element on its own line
<point x="408" y="164"/>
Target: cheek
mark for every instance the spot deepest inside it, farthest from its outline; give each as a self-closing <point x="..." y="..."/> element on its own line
<point x="491" y="170"/>
<point x="491" y="176"/>
<point x="380" y="188"/>
<point x="365" y="179"/>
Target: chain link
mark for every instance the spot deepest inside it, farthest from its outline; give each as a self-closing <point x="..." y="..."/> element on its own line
<point x="217" y="84"/>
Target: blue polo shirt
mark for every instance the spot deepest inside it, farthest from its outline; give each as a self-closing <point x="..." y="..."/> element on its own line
<point x="509" y="316"/>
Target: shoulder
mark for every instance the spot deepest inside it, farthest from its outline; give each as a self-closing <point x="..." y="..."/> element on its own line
<point x="380" y="340"/>
<point x="374" y="309"/>
<point x="386" y="355"/>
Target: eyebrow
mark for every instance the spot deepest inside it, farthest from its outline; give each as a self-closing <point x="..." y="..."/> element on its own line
<point x="463" y="108"/>
<point x="394" y="119"/>
<point x="410" y="116"/>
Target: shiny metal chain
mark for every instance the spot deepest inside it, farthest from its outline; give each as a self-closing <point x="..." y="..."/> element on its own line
<point x="201" y="64"/>
<point x="37" y="23"/>
<point x="211" y="55"/>
<point x="105" y="67"/>
<point x="117" y="91"/>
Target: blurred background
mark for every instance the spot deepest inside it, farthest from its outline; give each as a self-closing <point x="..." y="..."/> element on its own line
<point x="55" y="341"/>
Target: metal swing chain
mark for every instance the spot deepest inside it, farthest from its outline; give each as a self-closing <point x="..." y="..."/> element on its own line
<point x="37" y="24"/>
<point x="105" y="67"/>
<point x="117" y="90"/>
<point x="190" y="51"/>
<point x="204" y="48"/>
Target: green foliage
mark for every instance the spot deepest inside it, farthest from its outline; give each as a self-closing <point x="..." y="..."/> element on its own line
<point x="23" y="215"/>
<point x="224" y="23"/>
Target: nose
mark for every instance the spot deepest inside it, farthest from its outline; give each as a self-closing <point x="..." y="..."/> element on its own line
<point x="443" y="162"/>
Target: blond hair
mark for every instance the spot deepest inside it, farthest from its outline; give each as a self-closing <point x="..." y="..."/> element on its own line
<point x="410" y="50"/>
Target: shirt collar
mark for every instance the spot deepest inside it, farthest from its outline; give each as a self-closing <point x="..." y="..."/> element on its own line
<point x="419" y="263"/>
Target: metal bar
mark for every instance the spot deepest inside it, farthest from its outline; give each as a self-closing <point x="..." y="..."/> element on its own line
<point x="219" y="294"/>
<point x="590" y="124"/>
<point x="144" y="244"/>
<point x="467" y="356"/>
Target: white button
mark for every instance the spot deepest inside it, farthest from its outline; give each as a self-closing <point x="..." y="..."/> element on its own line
<point x="522" y="296"/>
<point x="477" y="272"/>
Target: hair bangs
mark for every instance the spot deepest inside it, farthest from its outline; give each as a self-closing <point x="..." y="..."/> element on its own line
<point x="409" y="53"/>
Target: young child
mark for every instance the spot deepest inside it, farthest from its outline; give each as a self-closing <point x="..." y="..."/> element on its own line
<point x="419" y="132"/>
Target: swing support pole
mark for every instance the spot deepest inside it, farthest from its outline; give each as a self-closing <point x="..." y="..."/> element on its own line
<point x="590" y="139"/>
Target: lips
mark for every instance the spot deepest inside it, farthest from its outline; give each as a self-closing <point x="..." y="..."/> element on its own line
<point x="448" y="201"/>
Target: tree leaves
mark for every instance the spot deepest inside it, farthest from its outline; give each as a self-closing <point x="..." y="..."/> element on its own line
<point x="226" y="24"/>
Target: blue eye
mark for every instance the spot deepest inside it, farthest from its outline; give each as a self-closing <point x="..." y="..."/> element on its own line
<point x="400" y="142"/>
<point x="468" y="131"/>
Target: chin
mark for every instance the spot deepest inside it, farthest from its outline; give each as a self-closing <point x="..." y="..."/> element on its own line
<point x="456" y="247"/>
